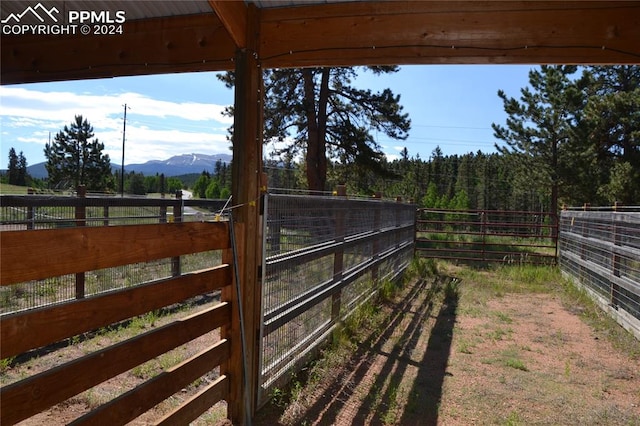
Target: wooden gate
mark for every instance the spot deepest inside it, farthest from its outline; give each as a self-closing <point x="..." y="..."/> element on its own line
<point x="41" y="254"/>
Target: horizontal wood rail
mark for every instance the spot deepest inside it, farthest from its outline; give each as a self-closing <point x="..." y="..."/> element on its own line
<point x="135" y="402"/>
<point x="198" y="404"/>
<point x="32" y="329"/>
<point x="30" y="396"/>
<point x="90" y="248"/>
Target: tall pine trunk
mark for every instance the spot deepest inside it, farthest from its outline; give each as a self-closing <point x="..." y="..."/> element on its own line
<point x="316" y="160"/>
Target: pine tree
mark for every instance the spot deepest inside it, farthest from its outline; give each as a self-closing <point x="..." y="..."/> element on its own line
<point x="22" y="170"/>
<point x="612" y="122"/>
<point x="540" y="128"/>
<point x="200" y="187"/>
<point x="74" y="159"/>
<point x="134" y="184"/>
<point x="325" y="116"/>
<point x="12" y="169"/>
<point x="17" y="169"/>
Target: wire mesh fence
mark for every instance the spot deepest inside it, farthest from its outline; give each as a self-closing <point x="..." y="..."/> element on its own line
<point x="323" y="257"/>
<point x="511" y="237"/>
<point x="600" y="250"/>
<point x="34" y="212"/>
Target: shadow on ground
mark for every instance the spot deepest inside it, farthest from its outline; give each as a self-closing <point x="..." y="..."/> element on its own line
<point x="366" y="391"/>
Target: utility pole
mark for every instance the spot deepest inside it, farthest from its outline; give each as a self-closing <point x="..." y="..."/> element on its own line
<point x="124" y="133"/>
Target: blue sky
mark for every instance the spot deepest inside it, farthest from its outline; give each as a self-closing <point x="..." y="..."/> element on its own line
<point x="452" y="106"/>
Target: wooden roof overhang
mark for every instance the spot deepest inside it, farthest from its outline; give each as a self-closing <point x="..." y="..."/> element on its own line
<point x="170" y="37"/>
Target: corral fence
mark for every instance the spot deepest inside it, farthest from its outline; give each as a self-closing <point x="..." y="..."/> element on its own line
<point x="64" y="276"/>
<point x="600" y="251"/>
<point x="38" y="212"/>
<point x="323" y="257"/>
<point x="20" y="212"/>
<point x="81" y="250"/>
<point x="488" y="236"/>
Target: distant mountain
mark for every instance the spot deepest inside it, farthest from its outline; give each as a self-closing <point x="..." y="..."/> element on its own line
<point x="37" y="171"/>
<point x="174" y="166"/>
<point x="179" y="164"/>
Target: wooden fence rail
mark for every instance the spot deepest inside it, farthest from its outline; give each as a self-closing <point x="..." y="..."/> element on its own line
<point x="82" y="249"/>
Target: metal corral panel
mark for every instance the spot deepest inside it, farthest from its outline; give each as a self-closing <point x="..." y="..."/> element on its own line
<point x="600" y="251"/>
<point x="323" y="257"/>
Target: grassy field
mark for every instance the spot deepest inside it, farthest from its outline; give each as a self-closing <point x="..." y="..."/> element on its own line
<point x="6" y="189"/>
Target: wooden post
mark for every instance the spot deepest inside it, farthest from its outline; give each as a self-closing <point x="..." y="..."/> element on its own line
<point x="338" y="257"/>
<point x="163" y="214"/>
<point x="246" y="171"/>
<point x="483" y="226"/>
<point x="176" y="269"/>
<point x="398" y="218"/>
<point x="31" y="212"/>
<point x="80" y="216"/>
<point x="584" y="232"/>
<point x="615" y="260"/>
<point x="376" y="242"/>
<point x="31" y="217"/>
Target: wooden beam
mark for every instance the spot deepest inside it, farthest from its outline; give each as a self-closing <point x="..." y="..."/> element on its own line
<point x="247" y="170"/>
<point x="150" y="46"/>
<point x="233" y="15"/>
<point x="340" y="34"/>
<point x="447" y="32"/>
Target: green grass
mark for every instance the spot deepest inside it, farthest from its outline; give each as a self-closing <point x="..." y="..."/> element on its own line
<point x="6" y="189"/>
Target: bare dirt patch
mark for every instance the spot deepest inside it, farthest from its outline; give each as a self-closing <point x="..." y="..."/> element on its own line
<point x="497" y="353"/>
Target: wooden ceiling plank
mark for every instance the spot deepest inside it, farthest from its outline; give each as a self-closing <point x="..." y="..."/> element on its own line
<point x="340" y="34"/>
<point x="377" y="7"/>
<point x="424" y="29"/>
<point x="233" y="15"/>
<point x="151" y="46"/>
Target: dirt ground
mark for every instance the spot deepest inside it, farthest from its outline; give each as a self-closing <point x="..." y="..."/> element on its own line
<point x="465" y="348"/>
<point x="500" y="357"/>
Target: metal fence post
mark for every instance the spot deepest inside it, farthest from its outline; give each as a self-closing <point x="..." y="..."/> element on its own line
<point x="81" y="216"/>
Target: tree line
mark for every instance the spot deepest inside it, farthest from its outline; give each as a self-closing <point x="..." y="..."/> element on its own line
<point x="572" y="136"/>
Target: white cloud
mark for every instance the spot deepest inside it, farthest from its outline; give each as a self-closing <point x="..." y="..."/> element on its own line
<point x="392" y="157"/>
<point x="156" y="129"/>
<point x="34" y="105"/>
<point x="142" y="144"/>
